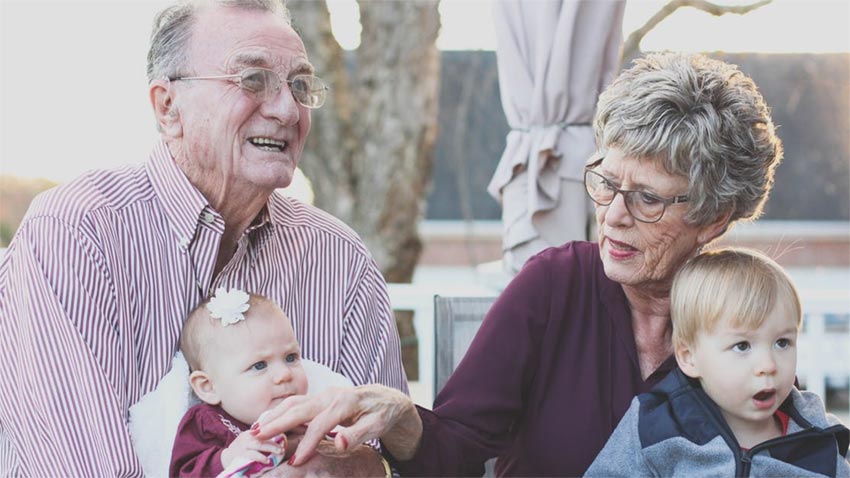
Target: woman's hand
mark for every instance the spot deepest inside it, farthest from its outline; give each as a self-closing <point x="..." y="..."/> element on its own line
<point x="367" y="412"/>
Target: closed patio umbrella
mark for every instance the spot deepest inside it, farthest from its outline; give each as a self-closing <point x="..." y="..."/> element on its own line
<point x="554" y="58"/>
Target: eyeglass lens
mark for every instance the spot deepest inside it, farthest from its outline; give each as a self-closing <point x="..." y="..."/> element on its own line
<point x="262" y="83"/>
<point x="643" y="206"/>
<point x="265" y="84"/>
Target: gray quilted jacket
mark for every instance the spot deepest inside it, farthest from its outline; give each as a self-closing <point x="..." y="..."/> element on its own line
<point x="676" y="430"/>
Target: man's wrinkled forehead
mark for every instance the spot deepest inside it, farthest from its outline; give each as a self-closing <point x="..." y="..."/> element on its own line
<point x="289" y="64"/>
<point x="240" y="37"/>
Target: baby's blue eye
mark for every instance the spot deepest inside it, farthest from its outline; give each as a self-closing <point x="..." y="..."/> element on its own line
<point x="259" y="365"/>
<point x="291" y="358"/>
<point x="741" y="347"/>
<point x="783" y="343"/>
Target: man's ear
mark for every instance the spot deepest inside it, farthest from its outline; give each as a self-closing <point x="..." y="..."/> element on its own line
<point x="164" y="109"/>
<point x="685" y="359"/>
<point x="203" y="387"/>
<point x="715" y="229"/>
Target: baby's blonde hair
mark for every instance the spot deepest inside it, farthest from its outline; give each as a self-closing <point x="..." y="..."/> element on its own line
<point x="739" y="285"/>
<point x="199" y="328"/>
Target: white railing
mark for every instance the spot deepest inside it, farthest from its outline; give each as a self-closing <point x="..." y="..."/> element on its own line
<point x="822" y="353"/>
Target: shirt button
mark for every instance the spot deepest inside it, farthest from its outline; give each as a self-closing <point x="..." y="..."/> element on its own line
<point x="208" y="217"/>
<point x="184" y="243"/>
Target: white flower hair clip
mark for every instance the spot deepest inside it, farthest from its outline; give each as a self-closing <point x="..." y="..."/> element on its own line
<point x="229" y="306"/>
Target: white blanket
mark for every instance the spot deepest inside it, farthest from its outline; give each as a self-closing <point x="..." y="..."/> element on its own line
<point x="154" y="418"/>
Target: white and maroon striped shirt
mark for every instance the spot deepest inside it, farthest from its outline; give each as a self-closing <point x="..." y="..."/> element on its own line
<point x="96" y="284"/>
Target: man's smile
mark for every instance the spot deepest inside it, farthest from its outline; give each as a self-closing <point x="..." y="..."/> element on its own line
<point x="268" y="144"/>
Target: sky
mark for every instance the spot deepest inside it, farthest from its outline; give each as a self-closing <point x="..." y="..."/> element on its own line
<point x="74" y="94"/>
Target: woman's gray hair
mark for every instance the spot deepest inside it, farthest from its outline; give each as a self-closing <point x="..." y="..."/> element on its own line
<point x="172" y="29"/>
<point x="703" y="119"/>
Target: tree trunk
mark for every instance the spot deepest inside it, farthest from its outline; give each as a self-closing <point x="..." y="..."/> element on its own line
<point x="369" y="155"/>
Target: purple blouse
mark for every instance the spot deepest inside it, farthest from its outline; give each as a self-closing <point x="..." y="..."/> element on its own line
<point x="546" y="380"/>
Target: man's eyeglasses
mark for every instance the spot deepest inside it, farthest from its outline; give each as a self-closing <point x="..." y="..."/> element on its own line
<point x="643" y="206"/>
<point x="263" y="84"/>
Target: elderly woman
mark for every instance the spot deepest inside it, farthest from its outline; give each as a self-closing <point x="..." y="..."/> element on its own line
<point x="686" y="148"/>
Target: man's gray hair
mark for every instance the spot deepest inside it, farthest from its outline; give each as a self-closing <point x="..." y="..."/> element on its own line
<point x="172" y="28"/>
<point x="703" y="119"/>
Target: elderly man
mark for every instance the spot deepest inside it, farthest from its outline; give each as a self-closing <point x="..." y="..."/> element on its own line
<point x="103" y="270"/>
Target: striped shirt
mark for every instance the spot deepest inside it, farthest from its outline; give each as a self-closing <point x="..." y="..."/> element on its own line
<point x="96" y="284"/>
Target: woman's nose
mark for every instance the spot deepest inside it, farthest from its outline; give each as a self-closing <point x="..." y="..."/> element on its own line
<point x="617" y="214"/>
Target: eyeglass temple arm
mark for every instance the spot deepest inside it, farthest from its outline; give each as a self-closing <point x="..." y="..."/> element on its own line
<point x="218" y="77"/>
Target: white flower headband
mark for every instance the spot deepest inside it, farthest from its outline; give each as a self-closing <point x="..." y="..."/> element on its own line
<point x="229" y="306"/>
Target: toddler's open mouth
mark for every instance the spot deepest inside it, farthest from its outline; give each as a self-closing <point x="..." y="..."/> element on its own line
<point x="765" y="398"/>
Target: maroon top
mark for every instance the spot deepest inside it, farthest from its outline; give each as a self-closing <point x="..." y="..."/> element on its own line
<point x="204" y="432"/>
<point x="546" y="380"/>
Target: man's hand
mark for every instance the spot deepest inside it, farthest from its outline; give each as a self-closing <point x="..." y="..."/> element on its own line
<point x="248" y="446"/>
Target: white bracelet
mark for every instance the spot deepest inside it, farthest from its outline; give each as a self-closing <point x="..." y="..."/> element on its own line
<point x="387" y="470"/>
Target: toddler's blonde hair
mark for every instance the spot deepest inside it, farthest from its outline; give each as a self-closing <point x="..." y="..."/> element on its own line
<point x="739" y="285"/>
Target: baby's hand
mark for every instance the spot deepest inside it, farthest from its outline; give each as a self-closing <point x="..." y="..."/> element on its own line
<point x="247" y="446"/>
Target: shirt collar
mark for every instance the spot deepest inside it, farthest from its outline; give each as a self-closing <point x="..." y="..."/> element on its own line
<point x="263" y="219"/>
<point x="182" y="203"/>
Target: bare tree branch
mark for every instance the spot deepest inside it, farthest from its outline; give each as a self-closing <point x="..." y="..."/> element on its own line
<point x="631" y="47"/>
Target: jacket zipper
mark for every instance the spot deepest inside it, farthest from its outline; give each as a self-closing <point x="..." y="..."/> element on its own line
<point x="746" y="458"/>
<point x="743" y="460"/>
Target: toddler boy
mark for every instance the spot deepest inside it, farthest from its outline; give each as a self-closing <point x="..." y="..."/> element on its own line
<point x="731" y="409"/>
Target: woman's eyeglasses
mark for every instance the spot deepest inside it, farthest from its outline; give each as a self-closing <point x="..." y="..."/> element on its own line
<point x="643" y="206"/>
